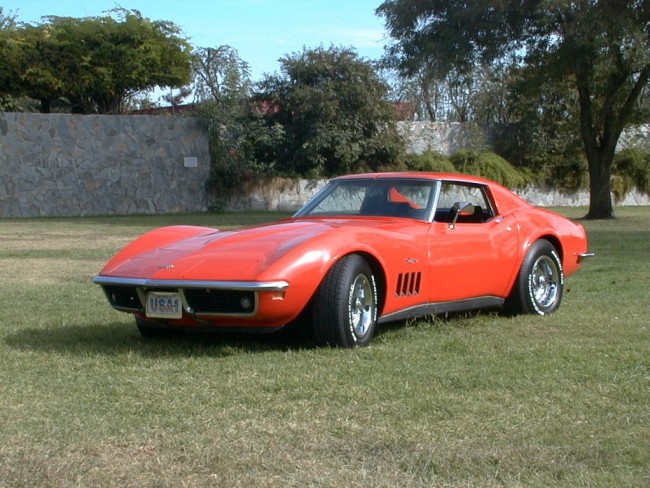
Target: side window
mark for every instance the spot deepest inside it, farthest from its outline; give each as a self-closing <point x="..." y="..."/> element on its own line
<point x="452" y="193"/>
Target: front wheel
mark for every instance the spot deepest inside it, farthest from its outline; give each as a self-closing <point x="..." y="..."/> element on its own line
<point x="151" y="330"/>
<point x="344" y="311"/>
<point x="540" y="283"/>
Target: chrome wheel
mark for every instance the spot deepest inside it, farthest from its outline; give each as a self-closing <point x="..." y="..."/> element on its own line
<point x="539" y="285"/>
<point x="361" y="305"/>
<point x="345" y="306"/>
<point x="545" y="281"/>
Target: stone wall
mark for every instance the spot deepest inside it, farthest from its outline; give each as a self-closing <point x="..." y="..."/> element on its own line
<point x="442" y="137"/>
<point x="554" y="198"/>
<point x="75" y="165"/>
<point x="281" y="194"/>
<point x="449" y="137"/>
<point x="274" y="194"/>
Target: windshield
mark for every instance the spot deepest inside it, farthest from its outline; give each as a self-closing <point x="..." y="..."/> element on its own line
<point x="407" y="198"/>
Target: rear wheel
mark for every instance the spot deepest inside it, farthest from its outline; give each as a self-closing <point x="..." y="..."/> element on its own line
<point x="539" y="286"/>
<point x="344" y="311"/>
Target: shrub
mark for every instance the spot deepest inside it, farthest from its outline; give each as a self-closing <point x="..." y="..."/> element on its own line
<point x="430" y="161"/>
<point x="568" y="172"/>
<point x="237" y="137"/>
<point x="332" y="108"/>
<point x="631" y="170"/>
<point x="490" y="165"/>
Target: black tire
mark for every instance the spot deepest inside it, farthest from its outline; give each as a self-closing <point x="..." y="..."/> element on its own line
<point x="151" y="330"/>
<point x="344" y="309"/>
<point x="540" y="283"/>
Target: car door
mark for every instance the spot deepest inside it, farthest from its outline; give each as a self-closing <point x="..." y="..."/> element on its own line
<point x="475" y="255"/>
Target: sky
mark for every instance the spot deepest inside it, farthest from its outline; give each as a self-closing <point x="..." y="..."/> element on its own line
<point x="262" y="31"/>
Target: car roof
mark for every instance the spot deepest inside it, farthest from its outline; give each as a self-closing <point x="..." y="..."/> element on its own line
<point x="418" y="175"/>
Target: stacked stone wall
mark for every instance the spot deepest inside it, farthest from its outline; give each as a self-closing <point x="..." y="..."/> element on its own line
<point x="78" y="165"/>
<point x="84" y="165"/>
<point x="285" y="195"/>
<point x="441" y="137"/>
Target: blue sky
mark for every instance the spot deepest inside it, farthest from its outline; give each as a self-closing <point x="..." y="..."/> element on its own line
<point x="262" y="31"/>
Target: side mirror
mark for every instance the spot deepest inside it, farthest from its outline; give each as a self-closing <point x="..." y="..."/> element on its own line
<point x="460" y="208"/>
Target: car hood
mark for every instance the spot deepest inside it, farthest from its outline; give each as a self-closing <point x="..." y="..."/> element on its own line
<point x="240" y="254"/>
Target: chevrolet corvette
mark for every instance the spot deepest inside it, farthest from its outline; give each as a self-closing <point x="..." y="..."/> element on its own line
<point x="365" y="250"/>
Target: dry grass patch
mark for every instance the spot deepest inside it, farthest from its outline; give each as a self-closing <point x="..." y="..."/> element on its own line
<point x="46" y="271"/>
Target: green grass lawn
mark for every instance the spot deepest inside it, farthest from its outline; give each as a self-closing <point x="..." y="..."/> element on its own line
<point x="472" y="401"/>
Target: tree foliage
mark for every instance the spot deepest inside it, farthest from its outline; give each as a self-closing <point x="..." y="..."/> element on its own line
<point x="9" y="52"/>
<point x="429" y="161"/>
<point x="489" y="165"/>
<point x="539" y="130"/>
<point x="236" y="131"/>
<point x="332" y="108"/>
<point x="219" y="75"/>
<point x="93" y="64"/>
<point x="601" y="47"/>
<point x="632" y="167"/>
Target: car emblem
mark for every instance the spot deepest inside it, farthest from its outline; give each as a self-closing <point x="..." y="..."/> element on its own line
<point x="166" y="266"/>
<point x="411" y="261"/>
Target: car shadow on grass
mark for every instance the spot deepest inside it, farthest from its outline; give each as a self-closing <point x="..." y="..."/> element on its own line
<point x="123" y="338"/>
<point x="118" y="338"/>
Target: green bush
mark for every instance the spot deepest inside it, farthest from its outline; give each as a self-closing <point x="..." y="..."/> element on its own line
<point x="332" y="107"/>
<point x="490" y="165"/>
<point x="568" y="172"/>
<point x="631" y="170"/>
<point x="429" y="161"/>
<point x="237" y="141"/>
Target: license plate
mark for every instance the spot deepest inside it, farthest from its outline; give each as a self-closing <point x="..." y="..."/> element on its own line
<point x="163" y="305"/>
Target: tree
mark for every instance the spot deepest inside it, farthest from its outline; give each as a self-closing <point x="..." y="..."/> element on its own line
<point x="95" y="64"/>
<point x="222" y="90"/>
<point x="539" y="128"/>
<point x="601" y="46"/>
<point x="494" y="97"/>
<point x="423" y="97"/>
<point x="331" y="106"/>
<point x="220" y="75"/>
<point x="461" y="89"/>
<point x="9" y="55"/>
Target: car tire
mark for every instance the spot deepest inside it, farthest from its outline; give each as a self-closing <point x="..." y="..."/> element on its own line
<point x="150" y="330"/>
<point x="540" y="283"/>
<point x="344" y="310"/>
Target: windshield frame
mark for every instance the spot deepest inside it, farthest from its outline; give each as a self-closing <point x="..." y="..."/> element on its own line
<point x="425" y="214"/>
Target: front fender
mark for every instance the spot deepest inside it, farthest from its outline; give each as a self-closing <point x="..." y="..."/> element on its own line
<point x="389" y="253"/>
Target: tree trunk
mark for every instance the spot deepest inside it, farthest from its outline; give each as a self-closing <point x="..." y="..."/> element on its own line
<point x="600" y="196"/>
<point x="599" y="140"/>
<point x="45" y="107"/>
<point x="428" y="102"/>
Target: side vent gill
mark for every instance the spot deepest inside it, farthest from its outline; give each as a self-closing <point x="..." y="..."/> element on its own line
<point x="408" y="284"/>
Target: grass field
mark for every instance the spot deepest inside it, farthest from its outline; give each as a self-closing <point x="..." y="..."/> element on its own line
<point x="472" y="401"/>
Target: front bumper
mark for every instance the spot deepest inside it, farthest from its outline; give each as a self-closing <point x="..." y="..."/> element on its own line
<point x="585" y="255"/>
<point x="200" y="298"/>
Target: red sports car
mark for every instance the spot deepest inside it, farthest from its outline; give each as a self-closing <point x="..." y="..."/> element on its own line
<point x="366" y="249"/>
